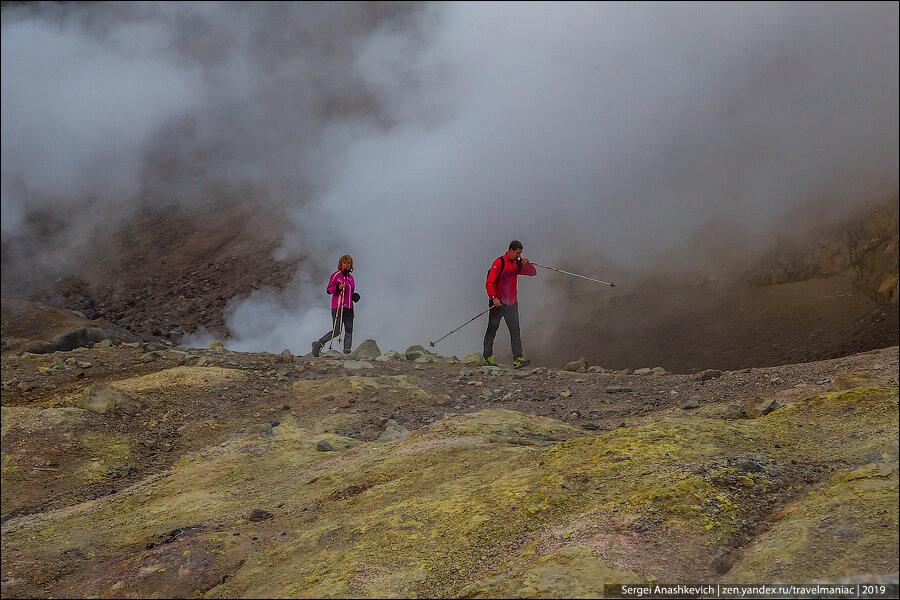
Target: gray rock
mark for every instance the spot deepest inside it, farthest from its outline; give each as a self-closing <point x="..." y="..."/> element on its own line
<point x="443" y="400"/>
<point x="324" y="446"/>
<point x="356" y="365"/>
<point x="414" y="352"/>
<point x="617" y="389"/>
<point x="708" y="374"/>
<point x="110" y="401"/>
<point x="757" y="408"/>
<point x="733" y="412"/>
<point x="263" y="430"/>
<point x="392" y="432"/>
<point x="79" y="338"/>
<point x="474" y="359"/>
<point x="368" y="349"/>
<point x="389" y="355"/>
<point x="576" y="365"/>
<point x="692" y="402"/>
<point x="39" y="347"/>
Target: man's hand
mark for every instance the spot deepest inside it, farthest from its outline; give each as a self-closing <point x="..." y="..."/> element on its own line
<point x="496" y="301"/>
<point x="524" y="261"/>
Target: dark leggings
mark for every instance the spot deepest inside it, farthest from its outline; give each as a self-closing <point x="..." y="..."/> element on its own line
<point x="347" y="318"/>
<point x="510" y="312"/>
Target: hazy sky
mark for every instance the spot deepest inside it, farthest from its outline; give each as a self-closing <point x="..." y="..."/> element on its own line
<point x="422" y="139"/>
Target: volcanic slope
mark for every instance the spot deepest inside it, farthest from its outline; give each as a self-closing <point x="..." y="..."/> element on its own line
<point x="129" y="470"/>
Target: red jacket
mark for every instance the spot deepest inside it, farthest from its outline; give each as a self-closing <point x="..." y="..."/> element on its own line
<point x="501" y="279"/>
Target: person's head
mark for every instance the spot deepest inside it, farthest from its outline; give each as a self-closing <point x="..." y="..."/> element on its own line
<point x="515" y="249"/>
<point x="345" y="263"/>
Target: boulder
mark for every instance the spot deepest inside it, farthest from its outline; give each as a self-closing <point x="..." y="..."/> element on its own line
<point x="39" y="347"/>
<point x="368" y="349"/>
<point x="79" y="338"/>
<point x="576" y="365"/>
<point x="474" y="359"/>
<point x="414" y="352"/>
<point x="110" y="401"/>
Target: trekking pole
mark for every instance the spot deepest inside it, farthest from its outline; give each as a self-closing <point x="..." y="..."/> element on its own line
<point x="341" y="321"/>
<point x="574" y="274"/>
<point x="461" y="326"/>
<point x="341" y="302"/>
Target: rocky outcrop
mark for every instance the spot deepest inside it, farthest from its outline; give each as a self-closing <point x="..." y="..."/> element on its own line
<point x="864" y="251"/>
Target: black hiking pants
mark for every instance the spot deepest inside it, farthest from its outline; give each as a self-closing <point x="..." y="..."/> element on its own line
<point x="347" y="318"/>
<point x="510" y="312"/>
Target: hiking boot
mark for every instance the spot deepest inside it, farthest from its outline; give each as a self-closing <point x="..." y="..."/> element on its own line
<point x="347" y="351"/>
<point x="316" y="346"/>
<point x="489" y="362"/>
<point x="520" y="362"/>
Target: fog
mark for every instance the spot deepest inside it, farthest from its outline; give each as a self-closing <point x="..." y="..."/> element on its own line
<point x="421" y="139"/>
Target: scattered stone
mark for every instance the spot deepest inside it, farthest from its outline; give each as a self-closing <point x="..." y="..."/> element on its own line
<point x="389" y="355"/>
<point x="644" y="371"/>
<point x="443" y="400"/>
<point x="576" y="365"/>
<point x="286" y="356"/>
<point x="692" y="402"/>
<point x="356" y="365"/>
<point x="263" y="430"/>
<point x="393" y="431"/>
<point x="259" y="515"/>
<point x="733" y="412"/>
<point x="566" y="393"/>
<point x="757" y="408"/>
<point x="323" y="446"/>
<point x="708" y="374"/>
<point x="617" y="389"/>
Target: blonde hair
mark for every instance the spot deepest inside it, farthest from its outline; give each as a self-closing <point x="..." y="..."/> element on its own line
<point x="341" y="262"/>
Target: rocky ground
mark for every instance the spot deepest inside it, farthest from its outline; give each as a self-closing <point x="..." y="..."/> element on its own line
<point x="133" y="468"/>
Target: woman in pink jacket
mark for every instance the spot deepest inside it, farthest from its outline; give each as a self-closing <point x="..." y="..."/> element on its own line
<point x="343" y="294"/>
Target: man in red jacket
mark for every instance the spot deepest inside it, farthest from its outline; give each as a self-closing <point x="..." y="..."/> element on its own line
<point x="501" y="289"/>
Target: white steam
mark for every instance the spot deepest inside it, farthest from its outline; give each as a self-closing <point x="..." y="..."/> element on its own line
<point x="422" y="140"/>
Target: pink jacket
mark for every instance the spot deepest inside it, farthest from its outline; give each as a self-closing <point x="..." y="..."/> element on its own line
<point x="337" y="299"/>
